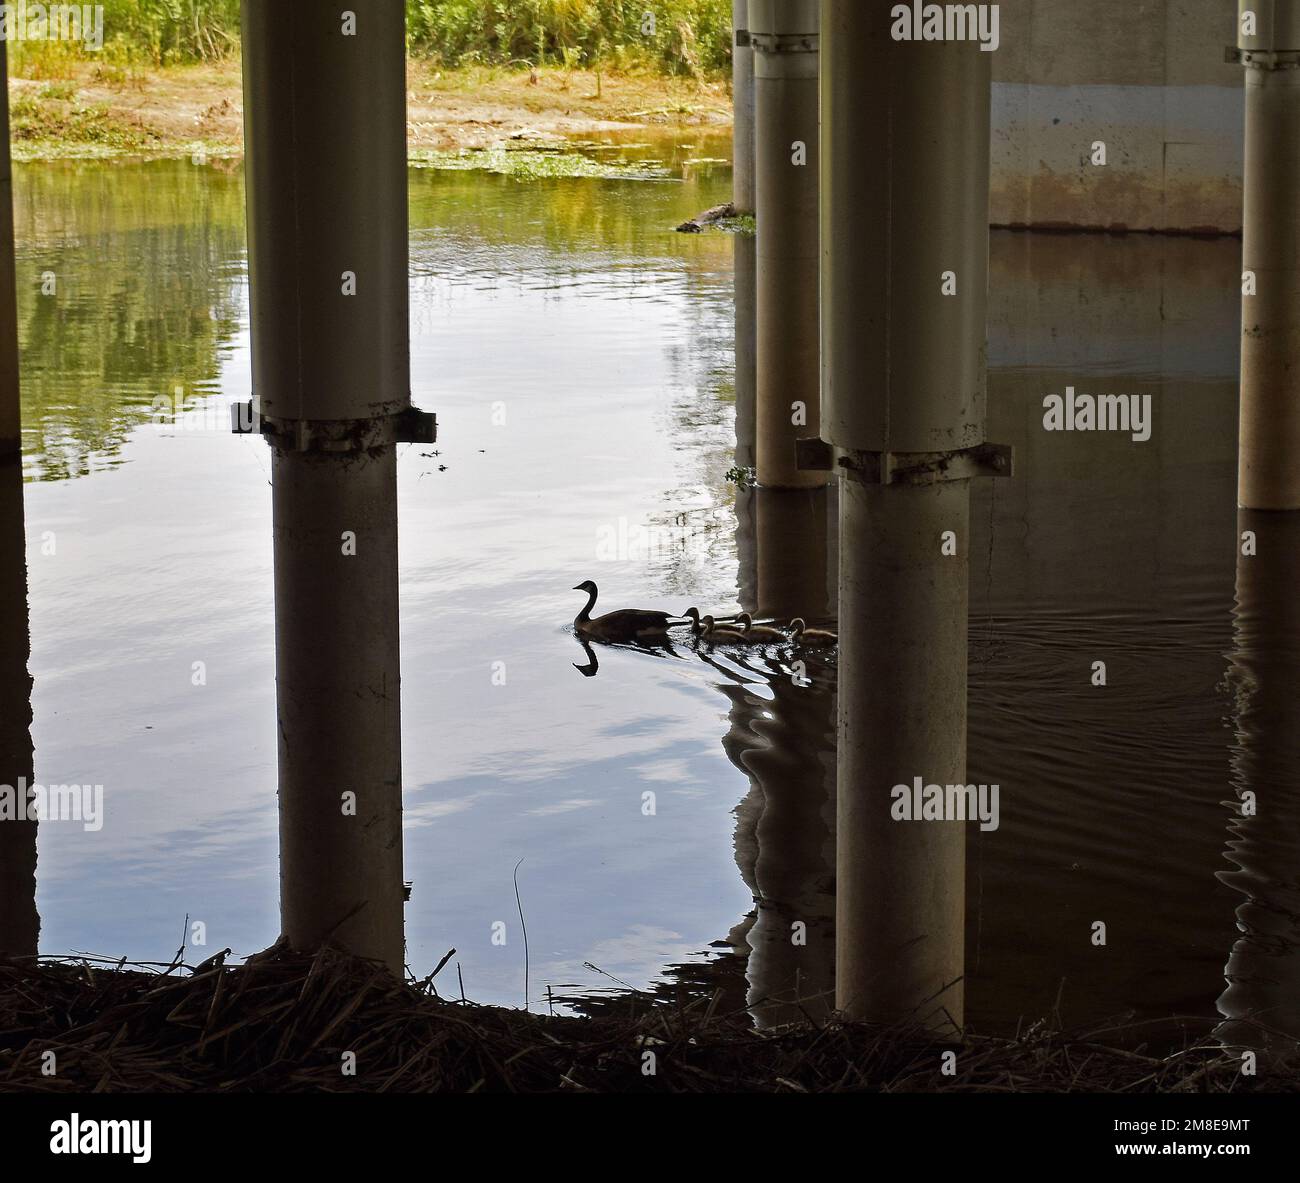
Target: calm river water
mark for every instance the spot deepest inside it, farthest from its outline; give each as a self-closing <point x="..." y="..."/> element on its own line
<point x="577" y="352"/>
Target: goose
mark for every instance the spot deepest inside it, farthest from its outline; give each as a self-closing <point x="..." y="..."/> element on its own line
<point x="759" y="632"/>
<point x="801" y="634"/>
<point x="629" y="624"/>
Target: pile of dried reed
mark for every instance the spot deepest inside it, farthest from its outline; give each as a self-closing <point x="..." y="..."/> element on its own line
<point x="285" y="1023"/>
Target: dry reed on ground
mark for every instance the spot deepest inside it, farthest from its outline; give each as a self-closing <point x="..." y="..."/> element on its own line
<point x="282" y="1022"/>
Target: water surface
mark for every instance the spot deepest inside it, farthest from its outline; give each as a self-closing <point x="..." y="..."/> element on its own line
<point x="577" y="352"/>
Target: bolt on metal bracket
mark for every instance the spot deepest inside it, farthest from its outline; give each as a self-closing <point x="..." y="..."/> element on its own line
<point x="908" y="468"/>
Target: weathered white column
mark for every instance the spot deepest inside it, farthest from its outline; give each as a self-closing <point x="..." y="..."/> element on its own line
<point x="1269" y="48"/>
<point x="905" y="141"/>
<point x="19" y="923"/>
<point x="325" y="121"/>
<point x="742" y="136"/>
<point x="784" y="35"/>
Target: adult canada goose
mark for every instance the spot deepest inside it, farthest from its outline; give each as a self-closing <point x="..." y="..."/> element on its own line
<point x="759" y="632"/>
<point x="629" y="624"/>
<point x="801" y="634"/>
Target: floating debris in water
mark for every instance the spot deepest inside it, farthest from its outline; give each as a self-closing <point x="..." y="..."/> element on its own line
<point x="709" y="217"/>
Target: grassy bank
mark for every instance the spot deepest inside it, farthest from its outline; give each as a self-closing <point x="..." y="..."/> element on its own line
<point x="281" y="1023"/>
<point x="480" y="72"/>
<point x="689" y="38"/>
<point x="91" y="109"/>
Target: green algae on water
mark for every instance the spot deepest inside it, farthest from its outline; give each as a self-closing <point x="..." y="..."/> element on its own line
<point x="740" y="224"/>
<point x="533" y="163"/>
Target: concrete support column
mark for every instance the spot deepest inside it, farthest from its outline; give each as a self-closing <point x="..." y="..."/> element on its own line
<point x="905" y="133"/>
<point x="742" y="89"/>
<point x="1269" y="476"/>
<point x="784" y="34"/>
<point x="325" y="119"/>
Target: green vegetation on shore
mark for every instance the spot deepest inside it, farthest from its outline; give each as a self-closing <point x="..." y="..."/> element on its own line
<point x="690" y="37"/>
<point x="55" y="116"/>
<point x="680" y="37"/>
<point x="142" y="32"/>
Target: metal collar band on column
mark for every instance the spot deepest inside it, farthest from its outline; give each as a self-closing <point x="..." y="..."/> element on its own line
<point x="783" y="42"/>
<point x="1264" y="59"/>
<point x="409" y="426"/>
<point x="908" y="468"/>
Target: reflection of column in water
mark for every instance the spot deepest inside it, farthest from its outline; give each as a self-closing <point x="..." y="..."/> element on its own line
<point x="738" y="739"/>
<point x="747" y="548"/>
<point x="1263" y="970"/>
<point x="792" y="942"/>
<point x="785" y="840"/>
<point x="19" y="923"/>
<point x="792" y="554"/>
<point x="746" y="268"/>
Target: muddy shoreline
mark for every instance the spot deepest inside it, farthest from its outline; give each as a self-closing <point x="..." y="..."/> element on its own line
<point x="93" y="112"/>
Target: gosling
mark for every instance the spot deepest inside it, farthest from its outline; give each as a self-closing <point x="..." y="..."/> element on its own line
<point x="801" y="634"/>
<point x="758" y="632"/>
<point x="720" y="632"/>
